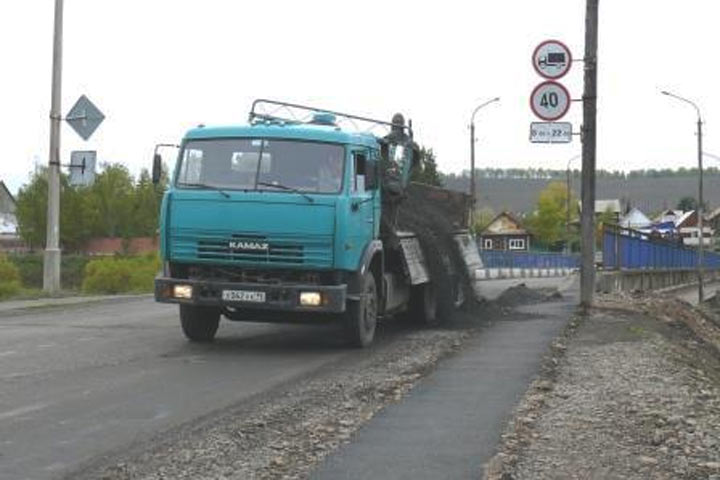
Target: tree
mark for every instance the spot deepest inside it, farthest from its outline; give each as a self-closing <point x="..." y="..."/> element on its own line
<point x="111" y="202"/>
<point x="690" y="203"/>
<point x="686" y="203"/>
<point x="75" y="216"/>
<point x="114" y="206"/>
<point x="427" y="173"/>
<point x="146" y="205"/>
<point x="548" y="221"/>
<point x="31" y="210"/>
<point x="603" y="218"/>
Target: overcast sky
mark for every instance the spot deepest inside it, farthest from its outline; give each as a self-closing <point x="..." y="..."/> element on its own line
<point x="157" y="68"/>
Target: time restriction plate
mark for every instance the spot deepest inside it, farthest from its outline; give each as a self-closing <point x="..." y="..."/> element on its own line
<point x="550" y="101"/>
<point x="551" y="132"/>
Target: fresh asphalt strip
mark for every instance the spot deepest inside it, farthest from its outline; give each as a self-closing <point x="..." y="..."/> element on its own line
<point x="449" y="425"/>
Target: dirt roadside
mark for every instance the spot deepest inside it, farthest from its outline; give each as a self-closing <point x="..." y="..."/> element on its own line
<point x="284" y="434"/>
<point x="630" y="392"/>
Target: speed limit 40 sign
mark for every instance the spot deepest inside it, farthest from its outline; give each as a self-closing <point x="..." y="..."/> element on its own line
<point x="550" y="101"/>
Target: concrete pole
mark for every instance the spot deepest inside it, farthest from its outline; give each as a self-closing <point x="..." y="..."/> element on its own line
<point x="700" y="211"/>
<point x="51" y="265"/>
<point x="567" y="205"/>
<point x="567" y="212"/>
<point x="587" y="220"/>
<point x="472" y="156"/>
<point x="472" y="174"/>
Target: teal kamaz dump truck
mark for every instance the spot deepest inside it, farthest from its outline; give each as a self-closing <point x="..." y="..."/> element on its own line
<point x="307" y="215"/>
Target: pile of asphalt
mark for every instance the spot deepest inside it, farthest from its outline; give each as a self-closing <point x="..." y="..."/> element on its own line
<point x="522" y="295"/>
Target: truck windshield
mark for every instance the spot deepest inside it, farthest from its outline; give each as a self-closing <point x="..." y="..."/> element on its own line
<point x="260" y="164"/>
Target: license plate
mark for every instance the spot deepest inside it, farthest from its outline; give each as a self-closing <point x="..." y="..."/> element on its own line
<point x="243" y="296"/>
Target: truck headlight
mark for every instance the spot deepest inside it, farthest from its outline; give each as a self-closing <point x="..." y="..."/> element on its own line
<point x="182" y="291"/>
<point x="310" y="299"/>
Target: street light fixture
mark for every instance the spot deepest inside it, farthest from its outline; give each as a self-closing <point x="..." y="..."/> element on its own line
<point x="701" y="235"/>
<point x="567" y="204"/>
<point x="472" y="153"/>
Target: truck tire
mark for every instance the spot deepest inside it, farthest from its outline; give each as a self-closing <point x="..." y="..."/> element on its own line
<point x="199" y="324"/>
<point x="423" y="305"/>
<point x="441" y="291"/>
<point x="361" y="316"/>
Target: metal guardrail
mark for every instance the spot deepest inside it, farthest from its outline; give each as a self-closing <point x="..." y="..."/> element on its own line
<point x="509" y="259"/>
<point x="629" y="249"/>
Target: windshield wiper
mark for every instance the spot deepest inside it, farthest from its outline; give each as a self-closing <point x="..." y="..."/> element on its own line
<point x="205" y="185"/>
<point x="286" y="188"/>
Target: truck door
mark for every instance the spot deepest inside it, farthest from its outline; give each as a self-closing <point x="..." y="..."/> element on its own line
<point x="363" y="218"/>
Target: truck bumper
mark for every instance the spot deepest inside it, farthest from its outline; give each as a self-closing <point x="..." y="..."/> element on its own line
<point x="274" y="297"/>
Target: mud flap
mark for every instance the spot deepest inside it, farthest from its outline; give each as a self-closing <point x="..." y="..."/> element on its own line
<point x="470" y="256"/>
<point x="414" y="260"/>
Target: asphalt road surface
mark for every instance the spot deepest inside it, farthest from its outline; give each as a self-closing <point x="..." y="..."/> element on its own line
<point x="78" y="382"/>
<point x="81" y="381"/>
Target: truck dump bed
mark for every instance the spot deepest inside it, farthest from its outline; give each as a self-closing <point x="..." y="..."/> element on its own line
<point x="452" y="206"/>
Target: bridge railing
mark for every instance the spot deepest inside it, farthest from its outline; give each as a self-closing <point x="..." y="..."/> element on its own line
<point x="626" y="248"/>
<point x="509" y="259"/>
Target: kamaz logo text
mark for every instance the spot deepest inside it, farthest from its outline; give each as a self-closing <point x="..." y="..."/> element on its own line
<point x="256" y="246"/>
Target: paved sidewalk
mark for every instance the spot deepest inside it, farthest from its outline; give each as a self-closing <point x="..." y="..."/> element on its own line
<point x="450" y="424"/>
<point x="17" y="305"/>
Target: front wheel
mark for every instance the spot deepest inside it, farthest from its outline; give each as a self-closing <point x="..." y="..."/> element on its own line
<point x="361" y="316"/>
<point x="199" y="324"/>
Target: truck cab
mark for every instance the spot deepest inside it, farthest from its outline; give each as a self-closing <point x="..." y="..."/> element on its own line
<point x="277" y="220"/>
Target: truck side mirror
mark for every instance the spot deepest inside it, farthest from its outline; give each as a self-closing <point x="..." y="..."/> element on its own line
<point x="156" y="168"/>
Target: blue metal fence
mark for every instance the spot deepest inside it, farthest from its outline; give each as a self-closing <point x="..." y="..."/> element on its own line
<point x="624" y="248"/>
<point x="510" y="259"/>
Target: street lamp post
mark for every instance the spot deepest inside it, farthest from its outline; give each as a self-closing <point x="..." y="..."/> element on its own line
<point x="567" y="205"/>
<point x="472" y="154"/>
<point x="700" y="262"/>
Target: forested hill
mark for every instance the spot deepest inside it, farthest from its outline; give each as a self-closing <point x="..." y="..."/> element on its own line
<point x="517" y="190"/>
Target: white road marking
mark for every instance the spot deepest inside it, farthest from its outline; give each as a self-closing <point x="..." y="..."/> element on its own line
<point x="22" y="410"/>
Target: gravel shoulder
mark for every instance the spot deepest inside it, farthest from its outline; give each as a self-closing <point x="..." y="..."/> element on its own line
<point x="631" y="391"/>
<point x="285" y="432"/>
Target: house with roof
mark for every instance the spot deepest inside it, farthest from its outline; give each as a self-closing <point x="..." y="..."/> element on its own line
<point x="9" y="238"/>
<point x="635" y="219"/>
<point x="612" y="206"/>
<point x="505" y="233"/>
<point x="688" y="229"/>
<point x="669" y="215"/>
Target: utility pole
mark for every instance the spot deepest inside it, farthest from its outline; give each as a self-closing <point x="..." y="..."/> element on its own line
<point x="567" y="205"/>
<point x="589" y="137"/>
<point x="472" y="156"/>
<point x="699" y="210"/>
<point x="51" y="265"/>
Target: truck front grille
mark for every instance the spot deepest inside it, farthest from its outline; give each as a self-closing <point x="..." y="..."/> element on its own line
<point x="252" y="249"/>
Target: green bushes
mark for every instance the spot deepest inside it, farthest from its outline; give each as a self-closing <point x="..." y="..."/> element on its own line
<point x="30" y="266"/>
<point x="121" y="274"/>
<point x="9" y="278"/>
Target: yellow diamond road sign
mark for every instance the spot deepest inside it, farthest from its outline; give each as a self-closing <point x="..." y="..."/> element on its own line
<point x="84" y="117"/>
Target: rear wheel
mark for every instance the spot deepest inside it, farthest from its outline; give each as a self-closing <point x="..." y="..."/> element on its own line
<point x="361" y="316"/>
<point x="423" y="305"/>
<point x="199" y="324"/>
